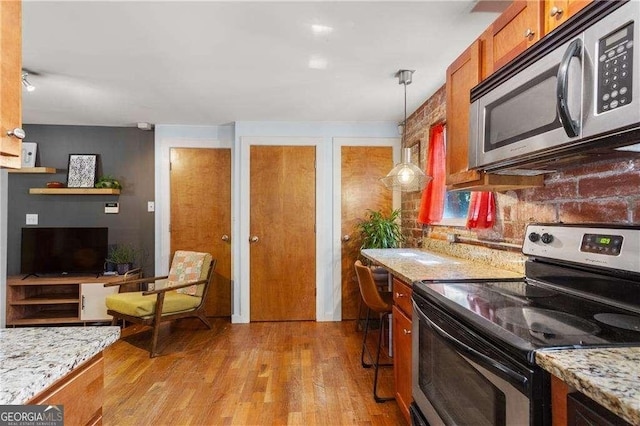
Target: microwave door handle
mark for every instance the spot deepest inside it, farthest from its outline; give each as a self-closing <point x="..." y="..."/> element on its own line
<point x="513" y="375"/>
<point x="571" y="127"/>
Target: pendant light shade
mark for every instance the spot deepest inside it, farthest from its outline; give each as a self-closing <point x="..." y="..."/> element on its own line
<point x="405" y="176"/>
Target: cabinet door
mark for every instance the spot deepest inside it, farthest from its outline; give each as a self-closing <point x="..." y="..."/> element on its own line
<point x="92" y="305"/>
<point x="515" y="30"/>
<point x="462" y="75"/>
<point x="10" y="87"/>
<point x="402" y="360"/>
<point x="558" y="11"/>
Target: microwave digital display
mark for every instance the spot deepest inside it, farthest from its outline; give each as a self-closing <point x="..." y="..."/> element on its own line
<point x="615" y="37"/>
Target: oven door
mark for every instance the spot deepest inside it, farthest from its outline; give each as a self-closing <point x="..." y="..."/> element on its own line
<point x="460" y="379"/>
<point x="539" y="108"/>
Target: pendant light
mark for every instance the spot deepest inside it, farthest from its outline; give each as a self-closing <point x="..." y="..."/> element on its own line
<point x="405" y="176"/>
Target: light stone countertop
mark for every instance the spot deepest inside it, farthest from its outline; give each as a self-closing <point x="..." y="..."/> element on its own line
<point x="32" y="359"/>
<point x="609" y="376"/>
<point x="412" y="264"/>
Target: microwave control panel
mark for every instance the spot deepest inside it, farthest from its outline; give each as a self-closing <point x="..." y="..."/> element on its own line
<point x="615" y="69"/>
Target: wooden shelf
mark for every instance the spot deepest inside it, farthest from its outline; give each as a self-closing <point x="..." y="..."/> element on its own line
<point x="41" y="170"/>
<point x="50" y="300"/>
<point x="74" y="191"/>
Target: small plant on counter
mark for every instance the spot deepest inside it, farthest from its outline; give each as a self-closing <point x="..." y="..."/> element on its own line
<point x="108" y="181"/>
<point x="380" y="230"/>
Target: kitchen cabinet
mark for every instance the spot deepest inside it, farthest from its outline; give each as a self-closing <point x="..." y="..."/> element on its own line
<point x="402" y="311"/>
<point x="583" y="411"/>
<point x="558" y="11"/>
<point x="57" y="300"/>
<point x="514" y="31"/>
<point x="10" y="83"/>
<point x="462" y="75"/>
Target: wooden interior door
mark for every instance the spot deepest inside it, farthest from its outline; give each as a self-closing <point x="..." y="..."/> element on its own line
<point x="282" y="227"/>
<point x="10" y="87"/>
<point x="362" y="167"/>
<point x="201" y="214"/>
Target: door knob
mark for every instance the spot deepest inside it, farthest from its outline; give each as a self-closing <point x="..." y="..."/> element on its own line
<point x="346" y="237"/>
<point x="555" y="11"/>
<point x="225" y="237"/>
<point x="17" y="132"/>
<point x="254" y="239"/>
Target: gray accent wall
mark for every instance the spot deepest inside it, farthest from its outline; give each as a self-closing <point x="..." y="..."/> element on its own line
<point x="124" y="152"/>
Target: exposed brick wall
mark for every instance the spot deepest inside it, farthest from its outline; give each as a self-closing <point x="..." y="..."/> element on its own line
<point x="600" y="191"/>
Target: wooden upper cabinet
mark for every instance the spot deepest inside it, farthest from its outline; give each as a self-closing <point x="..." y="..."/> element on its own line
<point x="10" y="82"/>
<point x="515" y="30"/>
<point x="462" y="75"/>
<point x="558" y="11"/>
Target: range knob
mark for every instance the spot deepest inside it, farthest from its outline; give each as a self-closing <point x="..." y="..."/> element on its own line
<point x="534" y="237"/>
<point x="546" y="238"/>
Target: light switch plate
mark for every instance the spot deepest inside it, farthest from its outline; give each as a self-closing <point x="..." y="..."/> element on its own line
<point x="32" y="219"/>
<point x="151" y="206"/>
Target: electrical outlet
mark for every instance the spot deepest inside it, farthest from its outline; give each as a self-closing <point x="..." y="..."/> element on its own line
<point x="32" y="219"/>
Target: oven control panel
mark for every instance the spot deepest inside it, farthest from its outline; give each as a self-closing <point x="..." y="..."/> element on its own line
<point x="605" y="246"/>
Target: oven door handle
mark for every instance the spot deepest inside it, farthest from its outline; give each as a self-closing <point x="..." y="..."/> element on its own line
<point x="513" y="375"/>
<point x="571" y="126"/>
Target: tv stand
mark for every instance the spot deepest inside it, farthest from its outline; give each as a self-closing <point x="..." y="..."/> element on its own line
<point x="57" y="300"/>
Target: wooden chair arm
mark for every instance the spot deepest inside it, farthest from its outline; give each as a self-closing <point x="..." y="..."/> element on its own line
<point x="136" y="281"/>
<point x="175" y="287"/>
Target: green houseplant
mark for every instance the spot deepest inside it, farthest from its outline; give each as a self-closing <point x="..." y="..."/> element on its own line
<point x="108" y="181"/>
<point x="381" y="231"/>
<point x="123" y="256"/>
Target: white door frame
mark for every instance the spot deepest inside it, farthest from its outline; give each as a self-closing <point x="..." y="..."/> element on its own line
<point x="323" y="221"/>
<point x="338" y="143"/>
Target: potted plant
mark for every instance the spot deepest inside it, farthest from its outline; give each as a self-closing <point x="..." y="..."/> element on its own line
<point x="108" y="181"/>
<point x="123" y="256"/>
<point x="380" y="231"/>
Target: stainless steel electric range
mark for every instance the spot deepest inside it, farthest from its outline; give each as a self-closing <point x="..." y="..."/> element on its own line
<point x="474" y="341"/>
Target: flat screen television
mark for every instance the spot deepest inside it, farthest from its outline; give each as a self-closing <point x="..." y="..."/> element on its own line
<point x="50" y="251"/>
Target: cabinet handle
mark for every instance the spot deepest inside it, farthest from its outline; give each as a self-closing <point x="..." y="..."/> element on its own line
<point x="399" y="295"/>
<point x="83" y="302"/>
<point x="17" y="132"/>
<point x="555" y="11"/>
<point x="225" y="237"/>
<point x="529" y="33"/>
<point x="346" y="237"/>
<point x="406" y="332"/>
<point x="254" y="239"/>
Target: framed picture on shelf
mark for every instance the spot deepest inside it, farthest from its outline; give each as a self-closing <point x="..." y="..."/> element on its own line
<point x="81" y="172"/>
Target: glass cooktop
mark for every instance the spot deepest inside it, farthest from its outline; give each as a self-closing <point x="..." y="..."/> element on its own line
<point x="524" y="316"/>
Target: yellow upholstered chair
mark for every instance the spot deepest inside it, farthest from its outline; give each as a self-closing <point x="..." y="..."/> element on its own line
<point x="181" y="294"/>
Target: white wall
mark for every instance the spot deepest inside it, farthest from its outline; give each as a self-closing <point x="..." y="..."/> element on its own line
<point x="240" y="137"/>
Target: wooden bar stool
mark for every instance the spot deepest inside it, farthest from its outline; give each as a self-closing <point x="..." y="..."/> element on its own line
<point x="380" y="303"/>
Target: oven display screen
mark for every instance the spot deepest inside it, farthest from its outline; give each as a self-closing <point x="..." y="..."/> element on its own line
<point x="602" y="244"/>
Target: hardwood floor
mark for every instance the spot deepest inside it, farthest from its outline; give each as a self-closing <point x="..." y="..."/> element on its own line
<point x="299" y="373"/>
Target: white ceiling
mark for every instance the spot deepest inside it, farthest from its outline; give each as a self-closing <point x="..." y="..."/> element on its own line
<point x="117" y="63"/>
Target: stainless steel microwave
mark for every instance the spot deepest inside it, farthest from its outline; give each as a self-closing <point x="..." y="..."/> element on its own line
<point x="577" y="89"/>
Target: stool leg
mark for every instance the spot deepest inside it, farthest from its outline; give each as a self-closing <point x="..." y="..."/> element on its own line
<point x="359" y="317"/>
<point x="378" y="365"/>
<point x="364" y="342"/>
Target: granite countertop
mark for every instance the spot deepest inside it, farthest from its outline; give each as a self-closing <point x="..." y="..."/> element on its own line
<point x="412" y="264"/>
<point x="32" y="359"/>
<point x="609" y="376"/>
